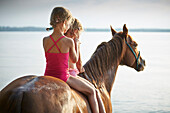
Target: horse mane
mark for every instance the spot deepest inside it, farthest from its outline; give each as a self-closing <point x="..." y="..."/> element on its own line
<point x="105" y="57"/>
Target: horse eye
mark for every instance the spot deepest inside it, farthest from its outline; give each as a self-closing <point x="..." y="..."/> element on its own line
<point x="135" y="45"/>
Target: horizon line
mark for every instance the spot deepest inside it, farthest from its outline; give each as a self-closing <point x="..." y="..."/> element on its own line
<point x="33" y="28"/>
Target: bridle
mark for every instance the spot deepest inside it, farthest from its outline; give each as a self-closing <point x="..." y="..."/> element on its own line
<point x="136" y="57"/>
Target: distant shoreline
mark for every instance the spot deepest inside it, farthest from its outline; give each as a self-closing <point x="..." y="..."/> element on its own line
<point x="32" y="29"/>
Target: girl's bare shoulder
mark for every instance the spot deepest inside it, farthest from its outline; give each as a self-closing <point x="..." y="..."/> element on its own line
<point x="69" y="40"/>
<point x="46" y="38"/>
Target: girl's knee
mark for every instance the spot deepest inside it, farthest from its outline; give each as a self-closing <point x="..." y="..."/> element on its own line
<point x="92" y="91"/>
<point x="97" y="91"/>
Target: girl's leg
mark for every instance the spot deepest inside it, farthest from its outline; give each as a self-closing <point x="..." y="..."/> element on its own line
<point x="86" y="81"/>
<point x="100" y="102"/>
<point x="85" y="88"/>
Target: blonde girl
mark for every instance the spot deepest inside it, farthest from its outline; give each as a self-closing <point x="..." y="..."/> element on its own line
<point x="59" y="48"/>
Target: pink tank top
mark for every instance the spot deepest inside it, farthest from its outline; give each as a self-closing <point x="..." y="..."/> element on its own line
<point x="57" y="63"/>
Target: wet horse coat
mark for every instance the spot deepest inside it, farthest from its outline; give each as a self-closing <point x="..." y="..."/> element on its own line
<point x="42" y="94"/>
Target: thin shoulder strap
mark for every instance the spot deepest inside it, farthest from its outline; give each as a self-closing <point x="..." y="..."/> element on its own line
<point x="55" y="43"/>
<point x="59" y="39"/>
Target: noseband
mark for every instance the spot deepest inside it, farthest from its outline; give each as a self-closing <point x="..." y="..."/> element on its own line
<point x="137" y="58"/>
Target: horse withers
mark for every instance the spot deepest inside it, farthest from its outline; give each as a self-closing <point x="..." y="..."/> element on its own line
<point x="45" y="94"/>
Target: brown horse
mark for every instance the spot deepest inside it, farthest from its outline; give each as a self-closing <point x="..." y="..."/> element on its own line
<point x="45" y="94"/>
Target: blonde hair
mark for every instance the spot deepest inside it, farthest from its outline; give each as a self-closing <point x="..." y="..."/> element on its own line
<point x="76" y="25"/>
<point x="58" y="15"/>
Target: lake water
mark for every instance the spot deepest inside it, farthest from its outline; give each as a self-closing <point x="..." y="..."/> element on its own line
<point x="21" y="53"/>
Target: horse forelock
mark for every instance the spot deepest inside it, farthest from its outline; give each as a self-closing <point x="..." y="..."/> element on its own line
<point x="105" y="57"/>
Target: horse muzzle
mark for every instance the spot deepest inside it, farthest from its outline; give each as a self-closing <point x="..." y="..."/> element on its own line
<point x="141" y="65"/>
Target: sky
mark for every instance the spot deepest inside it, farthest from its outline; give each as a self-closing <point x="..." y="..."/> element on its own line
<point x="91" y="13"/>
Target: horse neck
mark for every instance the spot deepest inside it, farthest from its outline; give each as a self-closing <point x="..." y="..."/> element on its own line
<point x="103" y="64"/>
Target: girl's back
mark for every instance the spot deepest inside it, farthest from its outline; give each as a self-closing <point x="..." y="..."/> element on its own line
<point x="57" y="54"/>
<point x="63" y="44"/>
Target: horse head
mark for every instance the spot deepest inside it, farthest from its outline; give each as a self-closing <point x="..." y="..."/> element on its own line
<point x="131" y="56"/>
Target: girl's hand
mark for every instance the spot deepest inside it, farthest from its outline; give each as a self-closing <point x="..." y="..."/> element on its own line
<point x="76" y="34"/>
<point x="77" y="40"/>
<point x="82" y="70"/>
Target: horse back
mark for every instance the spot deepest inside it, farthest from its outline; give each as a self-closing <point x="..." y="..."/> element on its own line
<point x="32" y="94"/>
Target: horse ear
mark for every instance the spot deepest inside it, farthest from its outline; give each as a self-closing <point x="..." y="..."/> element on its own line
<point x="113" y="31"/>
<point x="125" y="30"/>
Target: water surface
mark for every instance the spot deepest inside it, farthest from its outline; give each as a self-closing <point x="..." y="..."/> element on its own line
<point x="21" y="53"/>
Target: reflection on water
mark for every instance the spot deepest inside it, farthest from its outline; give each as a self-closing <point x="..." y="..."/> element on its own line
<point x="21" y="53"/>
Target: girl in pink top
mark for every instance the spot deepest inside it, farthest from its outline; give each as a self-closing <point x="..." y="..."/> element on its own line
<point x="58" y="49"/>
